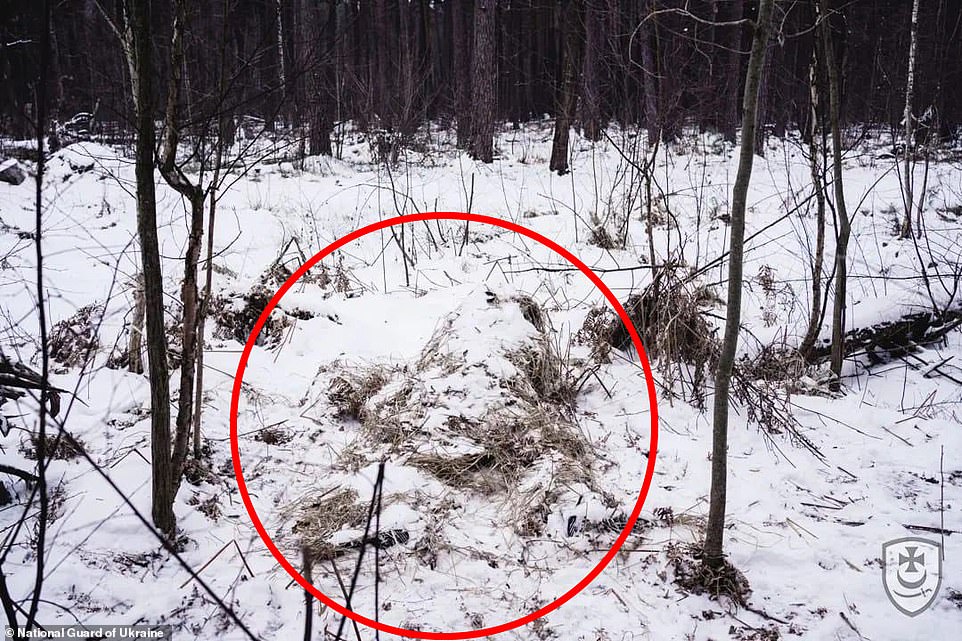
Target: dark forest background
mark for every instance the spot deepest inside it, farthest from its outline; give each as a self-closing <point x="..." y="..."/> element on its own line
<point x="394" y="65"/>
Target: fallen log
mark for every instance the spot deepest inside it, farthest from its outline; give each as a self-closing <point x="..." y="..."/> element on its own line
<point x="884" y="341"/>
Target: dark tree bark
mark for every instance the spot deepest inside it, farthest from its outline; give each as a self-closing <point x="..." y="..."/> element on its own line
<point x="568" y="95"/>
<point x="713" y="552"/>
<point x="594" y="70"/>
<point x="383" y="84"/>
<point x="484" y="81"/>
<point x="816" y="146"/>
<point x="317" y="26"/>
<point x="195" y="195"/>
<point x="844" y="226"/>
<point x="138" y="46"/>
<point x="461" y="81"/>
<point x="649" y="74"/>
<point x="731" y="72"/>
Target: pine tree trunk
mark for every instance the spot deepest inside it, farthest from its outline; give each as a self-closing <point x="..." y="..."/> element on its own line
<point x="593" y="73"/>
<point x="461" y="82"/>
<point x="484" y="81"/>
<point x="568" y="98"/>
<point x="649" y="76"/>
<point x="713" y="553"/>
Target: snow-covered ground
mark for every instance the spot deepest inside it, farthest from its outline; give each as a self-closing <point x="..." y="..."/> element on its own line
<point x="371" y="360"/>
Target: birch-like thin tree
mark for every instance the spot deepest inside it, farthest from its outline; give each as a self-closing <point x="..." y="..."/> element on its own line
<point x="713" y="551"/>
<point x="843" y="224"/>
<point x="907" y="164"/>
<point x="136" y="41"/>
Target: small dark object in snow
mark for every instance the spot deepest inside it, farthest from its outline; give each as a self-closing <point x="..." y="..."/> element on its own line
<point x="12" y="172"/>
<point x="954" y="597"/>
<point x="273" y="435"/>
<point x="382" y="541"/>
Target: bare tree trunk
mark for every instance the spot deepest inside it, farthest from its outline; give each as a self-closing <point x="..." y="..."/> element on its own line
<point x="205" y="298"/>
<point x="713" y="553"/>
<point x="138" y="46"/>
<point x="593" y="70"/>
<point x="764" y="100"/>
<point x="568" y="100"/>
<point x="844" y="225"/>
<point x="484" y="84"/>
<point x="195" y="195"/>
<point x="135" y="358"/>
<point x="383" y="89"/>
<point x="909" y="124"/>
<point x="815" y="151"/>
<point x="281" y="74"/>
<point x="460" y="60"/>
<point x="729" y="116"/>
<point x="317" y="23"/>
<point x="649" y="76"/>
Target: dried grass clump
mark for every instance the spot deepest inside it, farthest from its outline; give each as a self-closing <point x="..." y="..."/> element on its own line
<point x="532" y="520"/>
<point x="669" y="315"/>
<point x="532" y="311"/>
<point x="547" y="374"/>
<point x="774" y="363"/>
<point x="433" y="356"/>
<point x="505" y="446"/>
<point x="73" y="340"/>
<point x="394" y="415"/>
<point x="503" y="449"/>
<point x="481" y="471"/>
<point x="350" y="392"/>
<point x="235" y="317"/>
<point x="601" y="237"/>
<point x="319" y="519"/>
<point x="57" y="447"/>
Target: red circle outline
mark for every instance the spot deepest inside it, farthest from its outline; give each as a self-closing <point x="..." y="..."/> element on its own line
<point x="476" y="218"/>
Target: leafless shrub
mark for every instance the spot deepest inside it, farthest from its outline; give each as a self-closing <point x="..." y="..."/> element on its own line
<point x="601" y="237"/>
<point x="767" y="403"/>
<point x="774" y="363"/>
<point x="779" y="298"/>
<point x="670" y="317"/>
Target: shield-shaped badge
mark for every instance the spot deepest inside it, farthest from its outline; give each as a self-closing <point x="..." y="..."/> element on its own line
<point x="912" y="573"/>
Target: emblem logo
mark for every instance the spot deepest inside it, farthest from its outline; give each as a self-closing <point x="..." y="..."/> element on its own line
<point x="912" y="573"/>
